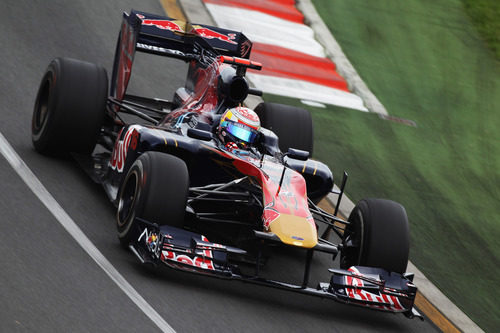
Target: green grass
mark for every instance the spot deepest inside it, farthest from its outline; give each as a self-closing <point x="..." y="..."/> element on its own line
<point x="426" y="62"/>
<point x="486" y="16"/>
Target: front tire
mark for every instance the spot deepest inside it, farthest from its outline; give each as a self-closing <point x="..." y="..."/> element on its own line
<point x="155" y="189"/>
<point x="377" y="236"/>
<point x="69" y="108"/>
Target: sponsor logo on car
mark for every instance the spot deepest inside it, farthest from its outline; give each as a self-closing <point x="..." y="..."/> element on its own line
<point x="177" y="26"/>
<point x="389" y="302"/>
<point x="199" y="262"/>
<point x="162" y="24"/>
<point x="130" y="138"/>
<point x="152" y="241"/>
<point x="211" y="34"/>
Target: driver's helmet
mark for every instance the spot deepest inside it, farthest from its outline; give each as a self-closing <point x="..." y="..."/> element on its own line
<point x="239" y="126"/>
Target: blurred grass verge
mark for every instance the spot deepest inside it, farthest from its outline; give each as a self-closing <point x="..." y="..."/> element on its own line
<point x="426" y="62"/>
<point x="486" y="17"/>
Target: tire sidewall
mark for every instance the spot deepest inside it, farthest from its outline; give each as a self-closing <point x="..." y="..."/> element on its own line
<point x="355" y="229"/>
<point x="125" y="227"/>
<point x="160" y="195"/>
<point x="292" y="125"/>
<point x="74" y="93"/>
<point x="47" y="86"/>
<point x="384" y="238"/>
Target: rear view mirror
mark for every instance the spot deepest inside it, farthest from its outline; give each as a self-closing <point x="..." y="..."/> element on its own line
<point x="297" y="154"/>
<point x="199" y="134"/>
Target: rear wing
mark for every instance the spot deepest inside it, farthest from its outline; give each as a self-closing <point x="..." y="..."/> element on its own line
<point x="169" y="37"/>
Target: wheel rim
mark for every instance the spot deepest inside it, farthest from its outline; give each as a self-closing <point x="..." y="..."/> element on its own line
<point x="40" y="116"/>
<point x="352" y="244"/>
<point x="127" y="199"/>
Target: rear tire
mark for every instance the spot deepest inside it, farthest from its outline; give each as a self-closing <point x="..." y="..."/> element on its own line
<point x="155" y="189"/>
<point x="292" y="125"/>
<point x="377" y="236"/>
<point x="69" y="108"/>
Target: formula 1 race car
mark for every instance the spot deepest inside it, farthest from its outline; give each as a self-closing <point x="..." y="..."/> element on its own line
<point x="205" y="185"/>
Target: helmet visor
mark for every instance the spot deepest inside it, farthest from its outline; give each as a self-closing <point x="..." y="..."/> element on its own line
<point x="240" y="131"/>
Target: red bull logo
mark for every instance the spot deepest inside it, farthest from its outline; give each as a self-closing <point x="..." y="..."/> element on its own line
<point x="211" y="34"/>
<point x="161" y="24"/>
<point x="174" y="26"/>
<point x="269" y="215"/>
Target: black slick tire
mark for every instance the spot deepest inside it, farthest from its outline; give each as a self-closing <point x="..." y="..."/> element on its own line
<point x="69" y="108"/>
<point x="154" y="189"/>
<point x="377" y="236"/>
<point x="292" y="125"/>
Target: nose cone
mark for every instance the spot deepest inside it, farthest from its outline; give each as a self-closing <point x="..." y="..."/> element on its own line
<point x="295" y="230"/>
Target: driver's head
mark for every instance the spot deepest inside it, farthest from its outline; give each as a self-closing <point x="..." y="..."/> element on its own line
<point x="239" y="125"/>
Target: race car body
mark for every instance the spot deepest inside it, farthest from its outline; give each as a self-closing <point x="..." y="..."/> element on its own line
<point x="188" y="199"/>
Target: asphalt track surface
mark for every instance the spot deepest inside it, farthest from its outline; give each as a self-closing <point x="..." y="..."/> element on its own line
<point x="47" y="282"/>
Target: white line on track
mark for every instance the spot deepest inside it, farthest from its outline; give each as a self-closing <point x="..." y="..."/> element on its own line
<point x="67" y="222"/>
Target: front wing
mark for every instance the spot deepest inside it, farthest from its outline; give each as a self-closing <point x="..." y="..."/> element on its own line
<point x="369" y="287"/>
